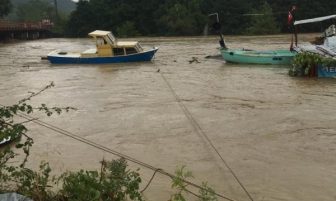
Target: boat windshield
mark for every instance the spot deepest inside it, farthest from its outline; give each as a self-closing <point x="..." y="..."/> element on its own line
<point x="111" y="39"/>
<point x="138" y="47"/>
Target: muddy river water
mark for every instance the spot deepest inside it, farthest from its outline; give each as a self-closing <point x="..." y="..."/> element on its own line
<point x="276" y="133"/>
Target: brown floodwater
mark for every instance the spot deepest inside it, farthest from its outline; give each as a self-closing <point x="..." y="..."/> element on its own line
<point x="277" y="133"/>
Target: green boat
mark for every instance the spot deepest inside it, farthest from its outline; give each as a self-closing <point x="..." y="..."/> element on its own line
<point x="275" y="57"/>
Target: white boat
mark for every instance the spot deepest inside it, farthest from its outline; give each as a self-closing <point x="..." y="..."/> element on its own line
<point x="328" y="46"/>
<point x="319" y="58"/>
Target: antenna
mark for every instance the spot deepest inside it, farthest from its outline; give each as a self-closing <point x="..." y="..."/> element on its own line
<point x="217" y="28"/>
<point x="217" y="18"/>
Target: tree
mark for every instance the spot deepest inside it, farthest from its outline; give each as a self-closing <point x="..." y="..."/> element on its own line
<point x="127" y="30"/>
<point x="231" y="14"/>
<point x="35" y="10"/>
<point x="263" y="22"/>
<point x="82" y="20"/>
<point x="5" y="7"/>
<point x="182" y="18"/>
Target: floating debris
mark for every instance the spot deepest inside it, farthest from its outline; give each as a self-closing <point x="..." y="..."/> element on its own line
<point x="217" y="56"/>
<point x="194" y="59"/>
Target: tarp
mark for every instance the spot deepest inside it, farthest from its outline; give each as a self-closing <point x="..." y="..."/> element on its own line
<point x="318" y="19"/>
<point x="326" y="71"/>
<point x="13" y="197"/>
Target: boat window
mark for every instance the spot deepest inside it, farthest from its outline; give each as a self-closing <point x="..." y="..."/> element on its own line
<point x="131" y="50"/>
<point x="118" y="51"/>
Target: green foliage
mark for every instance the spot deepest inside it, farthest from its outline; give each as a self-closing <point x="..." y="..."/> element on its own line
<point x="138" y="17"/>
<point x="82" y="186"/>
<point x="189" y="17"/>
<point x="81" y="21"/>
<point x="170" y="17"/>
<point x="60" y="24"/>
<point x="35" y="10"/>
<point x="127" y="29"/>
<point x="5" y="7"/>
<point x="114" y="183"/>
<point x="181" y="175"/>
<point x="21" y="178"/>
<point x="207" y="193"/>
<point x="182" y="18"/>
<point x="178" y="182"/>
<point x="33" y="184"/>
<point x="264" y="23"/>
<point x="9" y="129"/>
<point x="304" y="62"/>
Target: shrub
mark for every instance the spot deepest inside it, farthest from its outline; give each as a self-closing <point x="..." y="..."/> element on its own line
<point x="114" y="183"/>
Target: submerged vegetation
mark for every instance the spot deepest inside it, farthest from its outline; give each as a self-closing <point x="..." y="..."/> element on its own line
<point x="306" y="63"/>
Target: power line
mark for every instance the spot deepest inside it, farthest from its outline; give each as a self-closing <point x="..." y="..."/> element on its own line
<point x="189" y="116"/>
<point x="199" y="130"/>
<point x="111" y="151"/>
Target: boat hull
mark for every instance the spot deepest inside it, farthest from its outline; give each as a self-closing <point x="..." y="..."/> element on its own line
<point x="56" y="58"/>
<point x="276" y="57"/>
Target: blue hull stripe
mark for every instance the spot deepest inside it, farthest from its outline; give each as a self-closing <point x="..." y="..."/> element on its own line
<point x="144" y="56"/>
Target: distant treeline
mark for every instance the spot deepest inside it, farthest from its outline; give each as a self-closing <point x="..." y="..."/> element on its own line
<point x="190" y="17"/>
<point x="175" y="17"/>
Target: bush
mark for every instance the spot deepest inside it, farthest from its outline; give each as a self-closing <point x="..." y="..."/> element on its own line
<point x="113" y="183"/>
<point x="306" y="63"/>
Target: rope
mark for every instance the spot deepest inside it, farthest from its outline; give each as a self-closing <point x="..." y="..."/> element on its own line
<point x="199" y="130"/>
<point x="108" y="150"/>
<point x="150" y="181"/>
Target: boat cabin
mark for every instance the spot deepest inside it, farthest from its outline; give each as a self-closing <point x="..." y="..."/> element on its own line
<point x="107" y="45"/>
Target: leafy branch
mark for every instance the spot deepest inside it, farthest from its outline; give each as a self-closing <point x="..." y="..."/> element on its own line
<point x="33" y="94"/>
<point x="205" y="193"/>
<point x="12" y="130"/>
<point x="114" y="182"/>
<point x="304" y="62"/>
